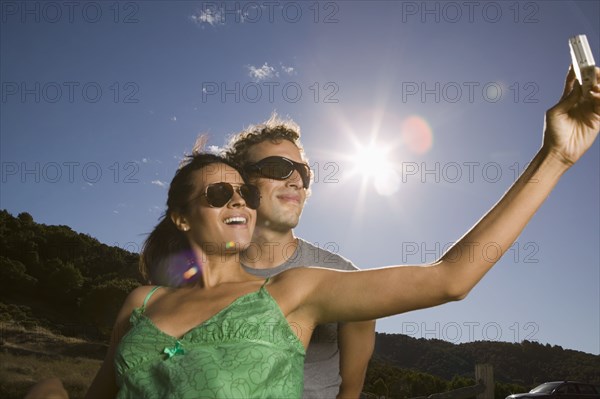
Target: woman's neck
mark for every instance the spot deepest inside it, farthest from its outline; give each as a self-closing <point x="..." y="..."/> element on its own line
<point x="220" y="268"/>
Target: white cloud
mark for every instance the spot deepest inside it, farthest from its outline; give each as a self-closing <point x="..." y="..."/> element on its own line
<point x="209" y="16"/>
<point x="214" y="16"/>
<point x="262" y="73"/>
<point x="147" y="161"/>
<point x="159" y="183"/>
<point x="173" y="119"/>
<point x="288" y="70"/>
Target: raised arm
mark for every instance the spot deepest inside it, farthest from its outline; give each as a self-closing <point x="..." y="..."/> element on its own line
<point x="571" y="128"/>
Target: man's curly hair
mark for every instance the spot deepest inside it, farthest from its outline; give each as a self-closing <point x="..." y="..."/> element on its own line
<point x="274" y="129"/>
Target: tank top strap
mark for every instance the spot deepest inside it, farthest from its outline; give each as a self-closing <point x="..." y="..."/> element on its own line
<point x="265" y="283"/>
<point x="148" y="296"/>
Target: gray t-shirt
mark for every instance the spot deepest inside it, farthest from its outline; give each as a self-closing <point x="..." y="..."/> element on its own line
<point x="322" y="365"/>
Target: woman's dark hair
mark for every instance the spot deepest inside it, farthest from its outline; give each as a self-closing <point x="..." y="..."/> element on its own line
<point x="166" y="255"/>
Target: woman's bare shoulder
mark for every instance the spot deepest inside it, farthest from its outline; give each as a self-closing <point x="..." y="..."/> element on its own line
<point x="136" y="298"/>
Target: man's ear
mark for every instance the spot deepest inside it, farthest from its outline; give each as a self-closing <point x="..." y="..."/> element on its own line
<point x="180" y="221"/>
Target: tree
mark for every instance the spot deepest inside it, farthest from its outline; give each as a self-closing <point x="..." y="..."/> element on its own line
<point x="62" y="281"/>
<point x="103" y="302"/>
<point x="25" y="218"/>
<point x="14" y="277"/>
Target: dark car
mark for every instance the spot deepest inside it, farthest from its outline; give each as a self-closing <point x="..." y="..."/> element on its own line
<point x="562" y="390"/>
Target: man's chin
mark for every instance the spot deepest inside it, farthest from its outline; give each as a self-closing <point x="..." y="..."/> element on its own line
<point x="288" y="224"/>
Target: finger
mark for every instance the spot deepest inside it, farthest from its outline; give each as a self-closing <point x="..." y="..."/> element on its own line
<point x="569" y="82"/>
<point x="569" y="99"/>
<point x="596" y="87"/>
<point x="595" y="98"/>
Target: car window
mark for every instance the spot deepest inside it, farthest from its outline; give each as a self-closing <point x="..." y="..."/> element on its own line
<point x="545" y="388"/>
<point x="586" y="389"/>
<point x="561" y="389"/>
<point x="571" y="388"/>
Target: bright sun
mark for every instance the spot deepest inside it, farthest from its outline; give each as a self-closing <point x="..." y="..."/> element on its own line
<point x="371" y="161"/>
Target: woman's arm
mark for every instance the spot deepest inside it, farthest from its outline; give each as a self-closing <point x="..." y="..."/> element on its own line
<point x="383" y="292"/>
<point x="571" y="128"/>
<point x="51" y="388"/>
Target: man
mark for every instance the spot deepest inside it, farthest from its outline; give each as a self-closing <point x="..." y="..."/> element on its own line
<point x="338" y="355"/>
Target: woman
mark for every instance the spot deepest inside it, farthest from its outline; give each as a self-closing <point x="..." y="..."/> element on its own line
<point x="223" y="325"/>
<point x="228" y="334"/>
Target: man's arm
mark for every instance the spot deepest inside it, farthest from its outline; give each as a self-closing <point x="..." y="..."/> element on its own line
<point x="356" y="342"/>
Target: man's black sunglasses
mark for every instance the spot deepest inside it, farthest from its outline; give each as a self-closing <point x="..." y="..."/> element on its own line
<point x="280" y="168"/>
<point x="219" y="194"/>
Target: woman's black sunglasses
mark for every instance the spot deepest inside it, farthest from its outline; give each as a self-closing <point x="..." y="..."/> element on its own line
<point x="219" y="194"/>
<point x="280" y="168"/>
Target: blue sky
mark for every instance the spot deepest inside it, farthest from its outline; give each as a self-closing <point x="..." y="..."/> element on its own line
<point x="101" y="99"/>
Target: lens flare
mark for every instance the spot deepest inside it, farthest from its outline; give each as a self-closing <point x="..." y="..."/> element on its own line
<point x="416" y="135"/>
<point x="191" y="272"/>
<point x="178" y="269"/>
<point x="387" y="182"/>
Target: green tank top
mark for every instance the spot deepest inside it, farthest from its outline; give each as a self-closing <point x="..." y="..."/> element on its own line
<point x="247" y="350"/>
